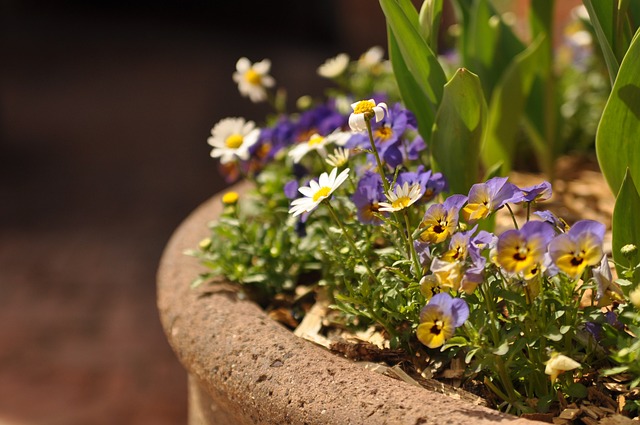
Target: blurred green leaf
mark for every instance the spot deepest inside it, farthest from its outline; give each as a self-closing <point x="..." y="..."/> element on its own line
<point x="626" y="227"/>
<point x="506" y="108"/>
<point x="617" y="141"/>
<point x="502" y="350"/>
<point x="410" y="91"/>
<point x="417" y="55"/>
<point x="420" y="77"/>
<point x="602" y="13"/>
<point x="459" y="130"/>
<point x="488" y="45"/>
<point x="430" y="17"/>
<point x="576" y="390"/>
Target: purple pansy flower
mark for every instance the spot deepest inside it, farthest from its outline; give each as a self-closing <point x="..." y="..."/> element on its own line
<point x="367" y="196"/>
<point x="485" y="198"/>
<point x="522" y="250"/>
<point x="580" y="247"/>
<point x="440" y="318"/>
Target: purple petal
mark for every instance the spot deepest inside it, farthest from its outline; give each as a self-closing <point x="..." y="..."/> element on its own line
<point x="592" y="226"/>
<point x="540" y="228"/>
<point x="538" y="192"/>
<point x="460" y="311"/>
<point x="454" y="201"/>
<point x="291" y="189"/>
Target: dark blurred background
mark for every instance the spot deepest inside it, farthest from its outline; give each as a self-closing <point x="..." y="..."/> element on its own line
<point x="105" y="108"/>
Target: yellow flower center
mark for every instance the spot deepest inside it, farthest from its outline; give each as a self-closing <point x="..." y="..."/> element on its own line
<point x="521" y="253"/>
<point x="384" y="133"/>
<point x="234" y="141"/>
<point x="401" y="202"/>
<point x="437" y="327"/>
<point x="577" y="259"/>
<point x="369" y="210"/>
<point x="264" y="150"/>
<point x="315" y="140"/>
<point x="253" y="77"/>
<point x="363" y="107"/>
<point x="428" y="194"/>
<point x="323" y="192"/>
<point x="230" y="198"/>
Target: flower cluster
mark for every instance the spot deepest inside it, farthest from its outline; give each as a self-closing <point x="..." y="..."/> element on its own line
<point x="346" y="199"/>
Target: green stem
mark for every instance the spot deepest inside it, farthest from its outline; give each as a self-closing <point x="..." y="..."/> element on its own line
<point x="351" y="242"/>
<point x="412" y="249"/>
<point x="513" y="216"/>
<point x="500" y="367"/>
<point x="375" y="154"/>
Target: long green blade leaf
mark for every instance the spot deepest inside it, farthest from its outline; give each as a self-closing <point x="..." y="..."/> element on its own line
<point x="410" y="91"/>
<point x="419" y="58"/>
<point x="617" y="139"/>
<point x="492" y="45"/>
<point x="430" y="17"/>
<point x="601" y="14"/>
<point x="507" y="107"/>
<point x="626" y="227"/>
<point x="459" y="130"/>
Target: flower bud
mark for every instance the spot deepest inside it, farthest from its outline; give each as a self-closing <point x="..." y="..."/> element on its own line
<point x="230" y="198"/>
<point x="634" y="296"/>
<point x="629" y="250"/>
<point x="204" y="244"/>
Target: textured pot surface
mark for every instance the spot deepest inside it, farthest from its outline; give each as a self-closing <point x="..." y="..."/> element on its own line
<point x="256" y="371"/>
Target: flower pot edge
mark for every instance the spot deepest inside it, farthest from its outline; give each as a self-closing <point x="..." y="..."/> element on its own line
<point x="256" y="371"/>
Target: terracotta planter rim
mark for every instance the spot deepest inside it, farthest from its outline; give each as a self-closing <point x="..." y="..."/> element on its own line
<point x="256" y="371"/>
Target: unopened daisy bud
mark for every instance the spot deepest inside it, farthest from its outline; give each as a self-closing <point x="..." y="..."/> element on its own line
<point x="230" y="198"/>
<point x="304" y="102"/>
<point x="629" y="250"/>
<point x="634" y="297"/>
<point x="204" y="244"/>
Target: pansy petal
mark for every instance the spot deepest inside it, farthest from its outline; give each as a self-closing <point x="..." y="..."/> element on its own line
<point x="592" y="226"/>
<point x="460" y="311"/>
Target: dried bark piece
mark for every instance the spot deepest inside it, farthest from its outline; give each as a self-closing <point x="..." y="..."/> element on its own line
<point x="569" y="414"/>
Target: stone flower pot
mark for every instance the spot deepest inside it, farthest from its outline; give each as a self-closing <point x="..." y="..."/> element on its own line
<point x="244" y="368"/>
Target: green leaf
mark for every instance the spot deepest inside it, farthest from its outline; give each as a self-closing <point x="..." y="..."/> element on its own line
<point x="470" y="354"/>
<point x="430" y="17"/>
<point x="615" y="370"/>
<point x="491" y="45"/>
<point x="418" y="59"/>
<point x="601" y="14"/>
<point x="507" y="106"/>
<point x="576" y="390"/>
<point x="502" y="350"/>
<point x="456" y="341"/>
<point x="410" y="91"/>
<point x="459" y="130"/>
<point x="626" y="227"/>
<point x="617" y="141"/>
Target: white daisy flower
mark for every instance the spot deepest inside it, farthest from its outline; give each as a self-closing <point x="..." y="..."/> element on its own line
<point x="253" y="79"/>
<point x="334" y="67"/>
<point x="403" y="197"/>
<point x="231" y="138"/>
<point x="317" y="191"/>
<point x="338" y="158"/>
<point x="317" y="143"/>
<point x="363" y="110"/>
<point x="371" y="58"/>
